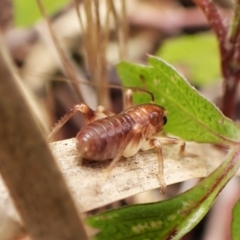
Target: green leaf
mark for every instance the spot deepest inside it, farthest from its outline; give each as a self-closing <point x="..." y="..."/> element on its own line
<point x="236" y="222"/>
<point x="26" y="12"/>
<point x="202" y="53"/>
<point x="169" y="219"/>
<point x="190" y="115"/>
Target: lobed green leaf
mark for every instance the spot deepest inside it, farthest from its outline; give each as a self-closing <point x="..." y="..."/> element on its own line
<point x="190" y="116"/>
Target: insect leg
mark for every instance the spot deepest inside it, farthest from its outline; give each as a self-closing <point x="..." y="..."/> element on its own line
<point x="108" y="170"/>
<point x="79" y="107"/>
<point x="89" y="115"/>
<point x="170" y="140"/>
<point x="157" y="144"/>
<point x="134" y="133"/>
<point x="129" y="93"/>
<point x="105" y="111"/>
<point x="128" y="99"/>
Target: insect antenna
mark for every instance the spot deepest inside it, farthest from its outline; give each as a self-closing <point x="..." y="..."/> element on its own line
<point x="113" y="86"/>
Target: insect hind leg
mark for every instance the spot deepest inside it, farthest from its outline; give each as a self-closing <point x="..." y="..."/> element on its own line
<point x="89" y="114"/>
<point x="135" y="132"/>
<point x="109" y="170"/>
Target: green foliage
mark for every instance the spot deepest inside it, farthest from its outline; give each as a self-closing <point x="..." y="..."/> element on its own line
<point x="27" y="12"/>
<point x="197" y="54"/>
<point x="190" y="115"/>
<point x="236" y="222"/>
<point x="169" y="219"/>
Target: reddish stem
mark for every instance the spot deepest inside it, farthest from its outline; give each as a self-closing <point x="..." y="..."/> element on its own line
<point x="215" y="20"/>
<point x="229" y="98"/>
<point x="230" y="54"/>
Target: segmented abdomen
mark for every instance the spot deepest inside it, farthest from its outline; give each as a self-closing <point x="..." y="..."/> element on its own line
<point x="102" y="139"/>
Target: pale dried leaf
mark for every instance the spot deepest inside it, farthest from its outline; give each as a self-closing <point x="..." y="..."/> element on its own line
<point x="129" y="176"/>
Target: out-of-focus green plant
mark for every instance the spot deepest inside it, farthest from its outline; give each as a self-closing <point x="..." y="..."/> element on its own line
<point x="198" y="54"/>
<point x="27" y="12"/>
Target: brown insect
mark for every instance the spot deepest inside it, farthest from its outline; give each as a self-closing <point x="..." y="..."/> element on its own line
<point x="110" y="136"/>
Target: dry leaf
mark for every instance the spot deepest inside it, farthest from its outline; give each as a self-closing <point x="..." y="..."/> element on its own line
<point x="129" y="176"/>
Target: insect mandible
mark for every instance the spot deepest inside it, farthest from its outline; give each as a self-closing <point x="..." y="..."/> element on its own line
<point x="111" y="136"/>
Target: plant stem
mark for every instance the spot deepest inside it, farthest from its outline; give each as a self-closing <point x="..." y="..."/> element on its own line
<point x="235" y="25"/>
<point x="36" y="186"/>
<point x="229" y="51"/>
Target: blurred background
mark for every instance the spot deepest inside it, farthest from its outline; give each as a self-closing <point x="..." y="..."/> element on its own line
<point x="77" y="64"/>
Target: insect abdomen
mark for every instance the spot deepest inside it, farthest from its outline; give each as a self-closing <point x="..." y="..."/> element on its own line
<point x="102" y="139"/>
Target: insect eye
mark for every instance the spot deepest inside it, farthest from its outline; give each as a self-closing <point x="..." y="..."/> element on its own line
<point x="164" y="120"/>
<point x="154" y="118"/>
